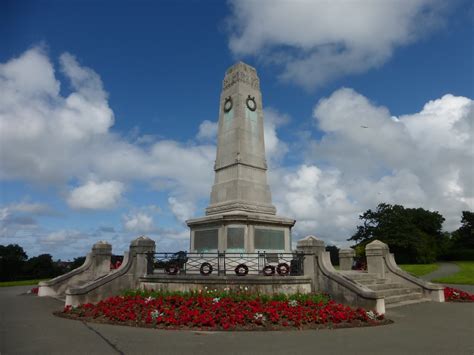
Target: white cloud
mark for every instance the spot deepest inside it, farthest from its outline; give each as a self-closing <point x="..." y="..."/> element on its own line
<point x="62" y="237"/>
<point x="139" y="223"/>
<point x="418" y="160"/>
<point x="182" y="210"/>
<point x="96" y="196"/>
<point x="316" y="41"/>
<point x="207" y="131"/>
<point x="49" y="138"/>
<point x="275" y="148"/>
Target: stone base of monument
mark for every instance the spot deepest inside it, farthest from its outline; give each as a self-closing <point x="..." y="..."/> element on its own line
<point x="241" y="232"/>
<point x="97" y="264"/>
<point x="288" y="285"/>
<point x="383" y="285"/>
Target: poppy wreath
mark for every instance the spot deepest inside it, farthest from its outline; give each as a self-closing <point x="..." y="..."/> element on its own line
<point x="241" y="270"/>
<point x="269" y="270"/>
<point x="283" y="269"/>
<point x="205" y="269"/>
<point x="172" y="269"/>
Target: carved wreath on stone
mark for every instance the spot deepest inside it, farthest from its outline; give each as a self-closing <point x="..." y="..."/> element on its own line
<point x="227" y="104"/>
<point x="251" y="104"/>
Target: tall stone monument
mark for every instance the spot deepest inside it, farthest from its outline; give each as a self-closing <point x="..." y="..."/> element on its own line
<point x="240" y="216"/>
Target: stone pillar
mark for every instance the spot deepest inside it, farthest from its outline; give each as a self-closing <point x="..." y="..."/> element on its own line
<point x="375" y="253"/>
<point x="101" y="257"/>
<point x="315" y="247"/>
<point x="346" y="258"/>
<point x="138" y="251"/>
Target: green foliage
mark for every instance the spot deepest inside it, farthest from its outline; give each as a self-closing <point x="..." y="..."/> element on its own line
<point x="419" y="269"/>
<point x="77" y="262"/>
<point x="41" y="266"/>
<point x="20" y="283"/>
<point x="237" y="294"/>
<point x="333" y="253"/>
<point x="413" y="234"/>
<point x="465" y="276"/>
<point x="12" y="260"/>
<point x="15" y="265"/>
<point x="461" y="244"/>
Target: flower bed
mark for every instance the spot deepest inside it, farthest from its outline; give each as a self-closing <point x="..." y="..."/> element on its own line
<point x="457" y="295"/>
<point x="213" y="310"/>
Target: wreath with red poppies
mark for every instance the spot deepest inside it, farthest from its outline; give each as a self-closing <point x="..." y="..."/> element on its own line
<point x="268" y="270"/>
<point x="205" y="269"/>
<point x="241" y="270"/>
<point x="283" y="269"/>
<point x="172" y="269"/>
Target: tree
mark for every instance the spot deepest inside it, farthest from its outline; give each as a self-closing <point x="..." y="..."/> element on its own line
<point x="40" y="267"/>
<point x="333" y="253"/>
<point x="12" y="260"/>
<point x="461" y="246"/>
<point x="77" y="262"/>
<point x="413" y="234"/>
<point x="464" y="236"/>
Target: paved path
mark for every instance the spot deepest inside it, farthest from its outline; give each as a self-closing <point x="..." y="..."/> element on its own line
<point x="444" y="269"/>
<point x="27" y="326"/>
<point x="447" y="269"/>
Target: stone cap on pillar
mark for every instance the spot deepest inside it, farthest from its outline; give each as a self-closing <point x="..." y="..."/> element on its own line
<point x="142" y="244"/>
<point x="376" y="248"/>
<point x="311" y="244"/>
<point x="102" y="247"/>
<point x="346" y="252"/>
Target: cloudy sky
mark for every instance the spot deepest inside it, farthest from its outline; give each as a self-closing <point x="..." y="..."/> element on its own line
<point x="108" y="113"/>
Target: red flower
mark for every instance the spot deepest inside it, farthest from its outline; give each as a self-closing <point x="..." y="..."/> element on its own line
<point x="457" y="295"/>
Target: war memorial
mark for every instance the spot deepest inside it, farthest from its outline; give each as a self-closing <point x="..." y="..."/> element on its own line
<point x="241" y="241"/>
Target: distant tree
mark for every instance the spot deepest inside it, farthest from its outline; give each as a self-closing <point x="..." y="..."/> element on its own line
<point x="77" y="262"/>
<point x="413" y="234"/>
<point x="464" y="236"/>
<point x="12" y="260"/>
<point x="41" y="266"/>
<point x="461" y="244"/>
<point x="334" y="254"/>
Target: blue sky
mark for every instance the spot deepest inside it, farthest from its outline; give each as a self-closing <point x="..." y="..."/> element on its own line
<point x="108" y="112"/>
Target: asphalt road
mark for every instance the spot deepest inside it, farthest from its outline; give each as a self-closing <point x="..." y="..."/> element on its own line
<point x="27" y="326"/>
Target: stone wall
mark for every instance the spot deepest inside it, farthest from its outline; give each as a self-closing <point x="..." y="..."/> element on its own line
<point x="268" y="285"/>
<point x="380" y="261"/>
<point x="97" y="264"/>
<point x="325" y="278"/>
<point x="125" y="277"/>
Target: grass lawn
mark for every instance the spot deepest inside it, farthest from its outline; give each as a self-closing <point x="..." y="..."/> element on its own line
<point x="419" y="269"/>
<point x="465" y="276"/>
<point x="20" y="283"/>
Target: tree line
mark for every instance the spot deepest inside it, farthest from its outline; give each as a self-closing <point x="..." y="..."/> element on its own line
<point x="15" y="265"/>
<point x="415" y="235"/>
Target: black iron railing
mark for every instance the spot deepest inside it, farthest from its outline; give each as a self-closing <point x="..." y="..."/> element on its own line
<point x="226" y="263"/>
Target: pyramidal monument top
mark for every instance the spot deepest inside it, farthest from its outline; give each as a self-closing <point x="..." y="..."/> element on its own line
<point x="240" y="215"/>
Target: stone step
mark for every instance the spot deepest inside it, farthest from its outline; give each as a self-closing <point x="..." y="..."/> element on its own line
<point x="386" y="286"/>
<point x="359" y="275"/>
<point x="405" y="303"/>
<point x="403" y="298"/>
<point x="398" y="291"/>
<point x="369" y="282"/>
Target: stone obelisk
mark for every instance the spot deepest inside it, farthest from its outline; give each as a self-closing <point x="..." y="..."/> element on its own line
<point x="240" y="216"/>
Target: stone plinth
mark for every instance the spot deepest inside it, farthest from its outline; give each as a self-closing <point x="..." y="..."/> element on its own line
<point x="346" y="258"/>
<point x="375" y="253"/>
<point x="228" y="229"/>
